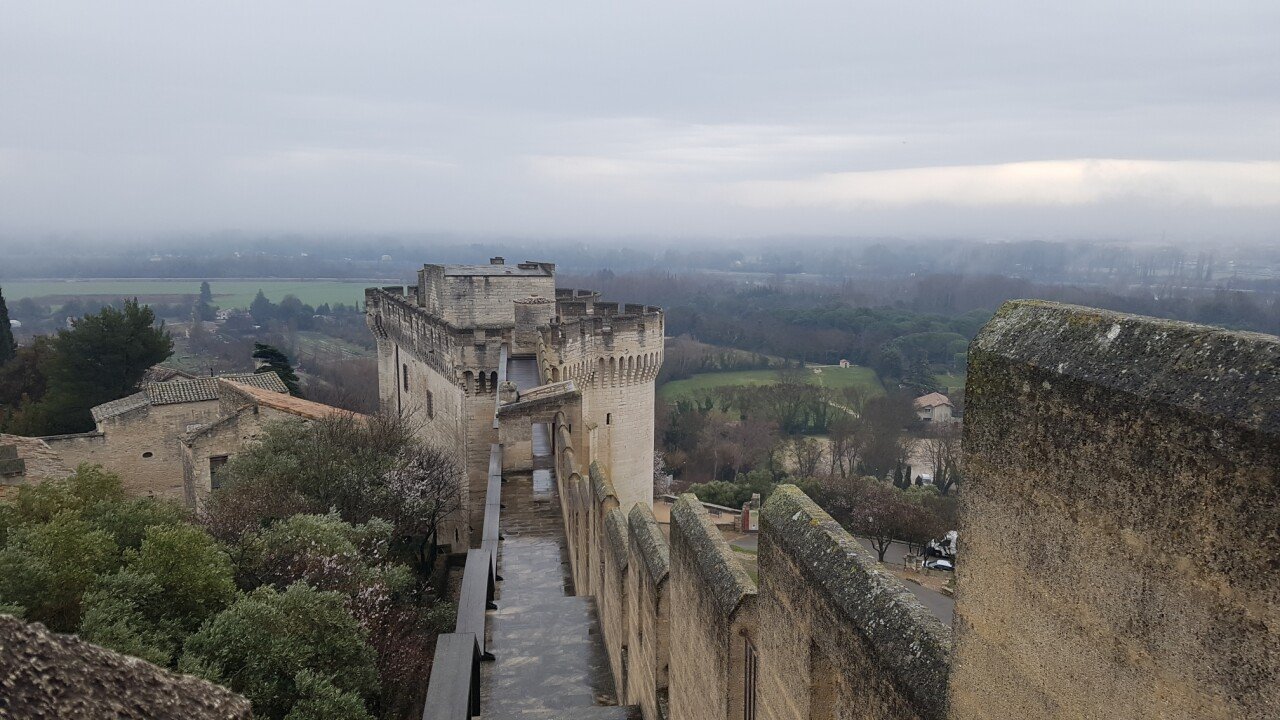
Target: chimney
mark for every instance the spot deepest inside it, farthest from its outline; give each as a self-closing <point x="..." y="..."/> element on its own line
<point x="499" y="260"/>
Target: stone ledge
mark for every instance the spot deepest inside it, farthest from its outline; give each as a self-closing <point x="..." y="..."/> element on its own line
<point x="615" y="529"/>
<point x="1201" y="369"/>
<point x="601" y="485"/>
<point x="713" y="558"/>
<point x="904" y="637"/>
<point x="645" y="533"/>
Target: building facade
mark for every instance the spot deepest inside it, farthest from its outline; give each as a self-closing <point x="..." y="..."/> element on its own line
<point x="445" y="347"/>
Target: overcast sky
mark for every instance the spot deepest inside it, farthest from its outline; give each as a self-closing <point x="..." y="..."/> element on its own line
<point x="904" y="117"/>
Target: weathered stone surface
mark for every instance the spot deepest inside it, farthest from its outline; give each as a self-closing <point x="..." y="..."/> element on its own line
<point x="712" y="618"/>
<point x="601" y="485"/>
<point x="647" y="536"/>
<point x="47" y="675"/>
<point x="1119" y="519"/>
<point x="721" y="576"/>
<point x="837" y="631"/>
<point x="1227" y="375"/>
<point x="615" y="527"/>
<point x="648" y="629"/>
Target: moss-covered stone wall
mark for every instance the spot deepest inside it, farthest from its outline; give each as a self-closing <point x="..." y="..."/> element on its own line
<point x="1120" y="520"/>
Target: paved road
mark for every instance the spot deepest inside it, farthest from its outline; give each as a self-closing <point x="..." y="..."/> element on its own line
<point x="940" y="604"/>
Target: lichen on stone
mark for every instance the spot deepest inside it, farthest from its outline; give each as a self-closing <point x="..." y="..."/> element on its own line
<point x="713" y="558"/>
<point x="645" y="533"/>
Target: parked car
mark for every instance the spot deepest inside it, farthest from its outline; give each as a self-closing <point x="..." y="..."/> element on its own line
<point x="939" y="564"/>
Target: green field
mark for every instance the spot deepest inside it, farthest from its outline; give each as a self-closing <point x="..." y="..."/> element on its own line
<point x="226" y="293"/>
<point x="831" y="376"/>
<point x="950" y="382"/>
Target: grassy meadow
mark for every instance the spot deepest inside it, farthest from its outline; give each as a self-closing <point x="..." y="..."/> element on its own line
<point x="832" y="376"/>
<point x="226" y="293"/>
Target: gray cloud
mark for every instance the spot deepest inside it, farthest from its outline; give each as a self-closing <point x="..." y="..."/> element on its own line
<point x="992" y="119"/>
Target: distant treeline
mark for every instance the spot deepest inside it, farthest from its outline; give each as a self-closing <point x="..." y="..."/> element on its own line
<point x="1253" y="267"/>
<point x="899" y="326"/>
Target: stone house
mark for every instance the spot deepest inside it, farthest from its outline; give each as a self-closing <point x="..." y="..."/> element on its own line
<point x="246" y="411"/>
<point x="138" y="437"/>
<point x="934" y="407"/>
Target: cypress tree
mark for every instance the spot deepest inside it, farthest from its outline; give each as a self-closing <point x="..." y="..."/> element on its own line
<point x="8" y="348"/>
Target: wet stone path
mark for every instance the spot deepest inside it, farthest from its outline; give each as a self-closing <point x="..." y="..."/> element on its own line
<point x="550" y="662"/>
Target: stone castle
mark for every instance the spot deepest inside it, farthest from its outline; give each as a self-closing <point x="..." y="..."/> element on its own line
<point x="1119" y="530"/>
<point x="467" y="338"/>
<point x="1119" y="521"/>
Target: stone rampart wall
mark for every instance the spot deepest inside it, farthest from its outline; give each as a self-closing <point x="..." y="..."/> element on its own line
<point x="1119" y="519"/>
<point x="689" y="636"/>
<point x="713" y="605"/>
<point x="836" y="631"/>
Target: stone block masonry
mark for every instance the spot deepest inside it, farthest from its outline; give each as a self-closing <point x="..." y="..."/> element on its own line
<point x="443" y="346"/>
<point x="1119" y="520"/>
<point x="1118" y="552"/>
<point x="688" y="634"/>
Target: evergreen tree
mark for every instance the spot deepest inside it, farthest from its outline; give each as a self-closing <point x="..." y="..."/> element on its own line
<point x="277" y="362"/>
<point x="262" y="309"/>
<point x="204" y="308"/>
<point x="101" y="358"/>
<point x="8" y="348"/>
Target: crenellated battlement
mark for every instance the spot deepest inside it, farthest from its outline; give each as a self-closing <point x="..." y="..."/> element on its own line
<point x="1102" y="450"/>
<point x="444" y="346"/>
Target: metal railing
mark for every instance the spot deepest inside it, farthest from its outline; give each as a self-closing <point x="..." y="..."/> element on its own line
<point x="453" y="692"/>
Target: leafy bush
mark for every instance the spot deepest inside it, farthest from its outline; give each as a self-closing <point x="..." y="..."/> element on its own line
<point x="258" y="646"/>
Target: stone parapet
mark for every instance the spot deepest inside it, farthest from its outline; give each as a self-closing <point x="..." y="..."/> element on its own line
<point x="713" y="623"/>
<point x="836" y="629"/>
<point x="47" y="675"/>
<point x="1118" y="519"/>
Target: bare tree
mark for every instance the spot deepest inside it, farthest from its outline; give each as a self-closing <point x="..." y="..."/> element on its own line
<point x="809" y="455"/>
<point x="942" y="447"/>
<point x="425" y="490"/>
<point x="849" y="440"/>
<point x="882" y="514"/>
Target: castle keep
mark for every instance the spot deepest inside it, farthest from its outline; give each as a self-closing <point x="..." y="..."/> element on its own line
<point x="466" y="343"/>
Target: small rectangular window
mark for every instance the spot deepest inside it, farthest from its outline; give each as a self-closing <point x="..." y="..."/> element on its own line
<point x="431" y="405"/>
<point x="405" y="376"/>
<point x="608" y="418"/>
<point x="215" y="466"/>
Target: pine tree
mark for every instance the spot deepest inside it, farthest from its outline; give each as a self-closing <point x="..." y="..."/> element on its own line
<point x="101" y="358"/>
<point x="262" y="309"/>
<point x="277" y="362"/>
<point x="204" y="306"/>
<point x="8" y="348"/>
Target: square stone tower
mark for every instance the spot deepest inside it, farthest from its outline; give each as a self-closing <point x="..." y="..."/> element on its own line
<point x="445" y="347"/>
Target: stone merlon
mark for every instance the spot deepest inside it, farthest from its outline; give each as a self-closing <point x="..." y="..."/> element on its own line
<point x="906" y="639"/>
<point x="1206" y="370"/>
<point x="644" y="531"/>
<point x="48" y="675"/>
<point x="714" y="559"/>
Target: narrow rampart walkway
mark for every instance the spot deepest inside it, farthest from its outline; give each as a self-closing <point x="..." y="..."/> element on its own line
<point x="550" y="662"/>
